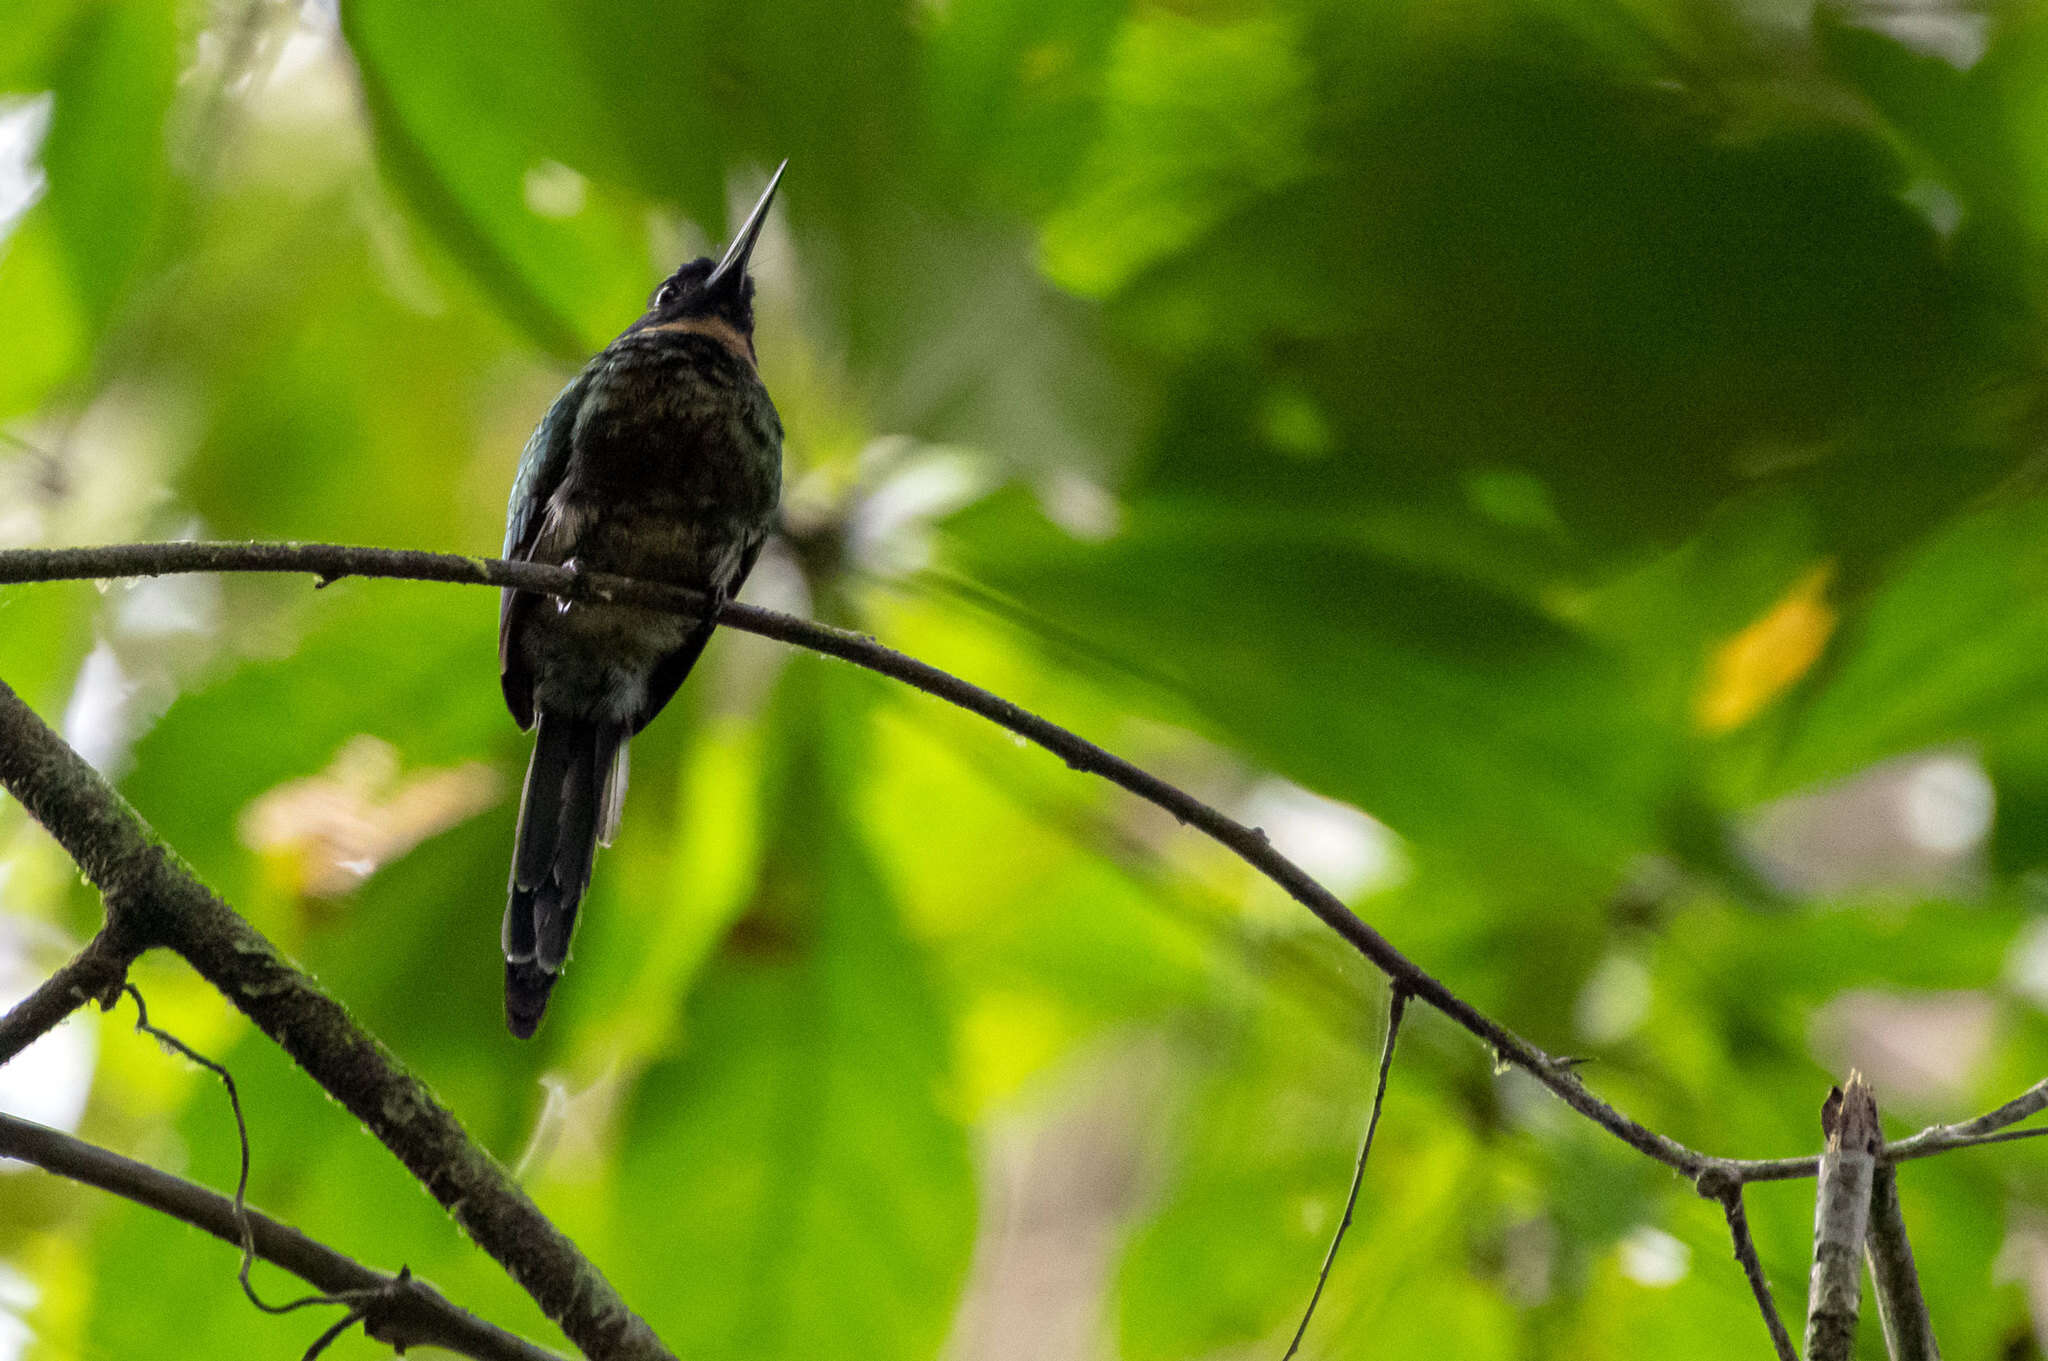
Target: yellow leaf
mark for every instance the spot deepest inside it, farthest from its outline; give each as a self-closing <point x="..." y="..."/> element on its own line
<point x="1761" y="662"/>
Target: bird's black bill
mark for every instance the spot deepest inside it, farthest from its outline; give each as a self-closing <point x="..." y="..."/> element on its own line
<point x="733" y="268"/>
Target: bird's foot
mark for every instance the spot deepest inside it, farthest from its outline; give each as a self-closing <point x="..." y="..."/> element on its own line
<point x="574" y="567"/>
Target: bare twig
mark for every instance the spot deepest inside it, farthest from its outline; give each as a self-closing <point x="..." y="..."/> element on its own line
<point x="94" y="974"/>
<point x="1989" y="1128"/>
<point x="153" y="899"/>
<point x="1729" y="1193"/>
<point x="330" y="562"/>
<point x="1397" y="1004"/>
<point x="1949" y="1143"/>
<point x="333" y="1334"/>
<point x="1841" y="1218"/>
<point x="404" y="1310"/>
<point x="1901" y="1308"/>
<point x="247" y="1232"/>
<point x="1936" y="1138"/>
<point x="1746" y="1170"/>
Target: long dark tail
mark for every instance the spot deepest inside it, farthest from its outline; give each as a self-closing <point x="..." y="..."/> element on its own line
<point x="573" y="788"/>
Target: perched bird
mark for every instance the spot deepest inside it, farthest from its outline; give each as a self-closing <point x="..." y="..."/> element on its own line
<point x="661" y="460"/>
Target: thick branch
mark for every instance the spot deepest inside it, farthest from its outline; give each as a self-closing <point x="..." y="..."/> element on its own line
<point x="331" y="562"/>
<point x="95" y="974"/>
<point x="402" y="1311"/>
<point x="153" y="898"/>
<point x="1841" y="1220"/>
<point x="1901" y="1308"/>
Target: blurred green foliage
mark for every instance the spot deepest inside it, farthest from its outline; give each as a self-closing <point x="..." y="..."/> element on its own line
<point x="1560" y="429"/>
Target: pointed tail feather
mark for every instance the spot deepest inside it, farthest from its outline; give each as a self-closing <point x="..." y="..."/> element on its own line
<point x="527" y="986"/>
<point x="568" y="785"/>
<point x="555" y="743"/>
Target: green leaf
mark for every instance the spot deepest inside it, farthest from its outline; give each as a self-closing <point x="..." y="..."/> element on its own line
<point x="113" y="76"/>
<point x="1467" y="721"/>
<point x="795" y="1186"/>
<point x="383" y="658"/>
<point x="566" y="281"/>
<point x="1492" y="261"/>
<point x="50" y="339"/>
<point x="45" y="632"/>
<point x="1201" y="117"/>
<point x="655" y="105"/>
<point x="1013" y="92"/>
<point x="1952" y="648"/>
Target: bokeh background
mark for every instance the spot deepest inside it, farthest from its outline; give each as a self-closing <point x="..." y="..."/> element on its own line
<point x="1571" y="471"/>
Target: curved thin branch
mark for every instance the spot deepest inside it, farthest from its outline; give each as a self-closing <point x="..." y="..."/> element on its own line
<point x="402" y="1310"/>
<point x="154" y="899"/>
<point x="1988" y="1128"/>
<point x="333" y="1334"/>
<point x="1753" y="1270"/>
<point x="1907" y="1150"/>
<point x="245" y="1228"/>
<point x="1746" y="1170"/>
<point x="1936" y="1138"/>
<point x="1397" y="1006"/>
<point x="330" y="562"/>
<point x="94" y="974"/>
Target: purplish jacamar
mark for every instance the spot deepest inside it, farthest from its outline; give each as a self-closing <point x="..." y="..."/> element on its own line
<point x="663" y="461"/>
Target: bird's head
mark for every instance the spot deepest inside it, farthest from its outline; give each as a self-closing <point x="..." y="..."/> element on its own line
<point x="715" y="297"/>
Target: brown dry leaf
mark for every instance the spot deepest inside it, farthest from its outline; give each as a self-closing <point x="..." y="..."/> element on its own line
<point x="325" y="834"/>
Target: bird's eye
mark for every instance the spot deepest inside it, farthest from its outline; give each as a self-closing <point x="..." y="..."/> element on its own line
<point x="664" y="294"/>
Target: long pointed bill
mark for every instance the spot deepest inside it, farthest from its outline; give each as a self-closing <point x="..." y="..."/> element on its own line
<point x="733" y="267"/>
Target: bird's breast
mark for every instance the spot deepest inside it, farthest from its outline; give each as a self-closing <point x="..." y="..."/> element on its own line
<point x="678" y="418"/>
<point x="675" y="464"/>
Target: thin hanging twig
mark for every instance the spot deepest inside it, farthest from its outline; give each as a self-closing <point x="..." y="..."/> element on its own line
<point x="1397" y="1004"/>
<point x="244" y="1228"/>
<point x="1729" y="1194"/>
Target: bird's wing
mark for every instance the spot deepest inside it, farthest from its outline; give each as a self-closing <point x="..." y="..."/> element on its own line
<point x="541" y="467"/>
